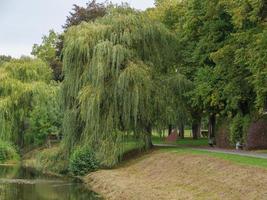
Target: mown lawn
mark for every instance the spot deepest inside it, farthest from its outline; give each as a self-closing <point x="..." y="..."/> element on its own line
<point x="131" y="145"/>
<point x="243" y="160"/>
<point x="183" y="142"/>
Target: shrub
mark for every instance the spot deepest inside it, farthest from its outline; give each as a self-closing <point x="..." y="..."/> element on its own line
<point x="82" y="161"/>
<point x="238" y="128"/>
<point x="7" y="152"/>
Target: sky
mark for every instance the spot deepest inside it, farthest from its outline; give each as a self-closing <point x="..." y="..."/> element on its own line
<point x="24" y="22"/>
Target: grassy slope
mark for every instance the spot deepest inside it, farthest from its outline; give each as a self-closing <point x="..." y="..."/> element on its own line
<point x="243" y="160"/>
<point x="182" y="175"/>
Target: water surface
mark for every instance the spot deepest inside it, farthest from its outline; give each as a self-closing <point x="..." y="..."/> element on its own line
<point x="18" y="183"/>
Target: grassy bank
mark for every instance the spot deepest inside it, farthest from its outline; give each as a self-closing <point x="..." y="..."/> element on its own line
<point x="237" y="159"/>
<point x="54" y="160"/>
<point x="47" y="160"/>
<point x="181" y="174"/>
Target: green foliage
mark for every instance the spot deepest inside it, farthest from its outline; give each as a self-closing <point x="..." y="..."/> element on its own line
<point x="48" y="52"/>
<point x="45" y="117"/>
<point x="7" y="152"/>
<point x="28" y="102"/>
<point x="109" y="69"/>
<point x="82" y="161"/>
<point x="222" y="47"/>
<point x="258" y="67"/>
<point x="4" y="59"/>
<point x="238" y="128"/>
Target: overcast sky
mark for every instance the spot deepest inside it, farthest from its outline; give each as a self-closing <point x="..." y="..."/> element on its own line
<point x="23" y="22"/>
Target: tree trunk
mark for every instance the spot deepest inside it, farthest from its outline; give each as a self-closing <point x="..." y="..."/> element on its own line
<point x="170" y="129"/>
<point x="196" y="128"/>
<point x="148" y="137"/>
<point x="181" y="131"/>
<point x="212" y="122"/>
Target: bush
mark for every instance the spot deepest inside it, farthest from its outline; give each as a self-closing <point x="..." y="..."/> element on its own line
<point x="238" y="128"/>
<point x="7" y="152"/>
<point x="82" y="161"/>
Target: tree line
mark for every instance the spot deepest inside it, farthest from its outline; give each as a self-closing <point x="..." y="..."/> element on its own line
<point x="120" y="71"/>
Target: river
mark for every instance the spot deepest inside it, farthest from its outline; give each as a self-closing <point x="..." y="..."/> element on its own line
<point x="18" y="183"/>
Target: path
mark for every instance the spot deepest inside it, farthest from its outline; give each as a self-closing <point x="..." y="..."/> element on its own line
<point x="218" y="150"/>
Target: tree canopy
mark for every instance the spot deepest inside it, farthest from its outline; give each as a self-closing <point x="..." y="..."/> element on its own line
<point x="28" y="102"/>
<point x="111" y="83"/>
<point x="221" y="50"/>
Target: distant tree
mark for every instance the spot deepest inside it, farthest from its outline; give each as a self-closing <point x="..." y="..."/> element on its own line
<point x="4" y="58"/>
<point x="29" y="109"/>
<point x="91" y="12"/>
<point x="47" y="51"/>
<point x="79" y="14"/>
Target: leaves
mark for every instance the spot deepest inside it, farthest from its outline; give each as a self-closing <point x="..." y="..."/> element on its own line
<point x="29" y="109"/>
<point x="109" y="68"/>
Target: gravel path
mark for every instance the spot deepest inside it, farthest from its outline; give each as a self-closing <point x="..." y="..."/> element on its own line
<point x="218" y="150"/>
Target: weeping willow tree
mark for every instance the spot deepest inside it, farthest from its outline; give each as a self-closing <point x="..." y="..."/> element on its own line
<point x="112" y="69"/>
<point x="27" y="101"/>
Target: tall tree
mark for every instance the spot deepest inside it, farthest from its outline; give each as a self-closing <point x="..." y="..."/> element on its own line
<point x="4" y="58"/>
<point x="111" y="69"/>
<point x="91" y="12"/>
<point x="28" y="106"/>
<point x="47" y="51"/>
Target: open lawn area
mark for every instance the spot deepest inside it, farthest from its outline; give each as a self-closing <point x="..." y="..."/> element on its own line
<point x="237" y="159"/>
<point x="187" y="141"/>
<point x="182" y="142"/>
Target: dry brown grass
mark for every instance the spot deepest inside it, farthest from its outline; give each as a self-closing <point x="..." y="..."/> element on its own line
<point x="171" y="176"/>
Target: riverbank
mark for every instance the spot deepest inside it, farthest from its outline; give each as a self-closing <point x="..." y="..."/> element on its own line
<point x="169" y="173"/>
<point x="163" y="174"/>
<point x="46" y="160"/>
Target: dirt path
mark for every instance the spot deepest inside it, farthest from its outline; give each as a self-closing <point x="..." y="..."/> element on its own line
<point x="172" y="176"/>
<point x="218" y="150"/>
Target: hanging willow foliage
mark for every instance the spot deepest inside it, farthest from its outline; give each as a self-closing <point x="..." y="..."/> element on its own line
<point x="26" y="98"/>
<point x="110" y="68"/>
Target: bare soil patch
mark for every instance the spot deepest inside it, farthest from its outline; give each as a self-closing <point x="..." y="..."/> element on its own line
<point x="171" y="176"/>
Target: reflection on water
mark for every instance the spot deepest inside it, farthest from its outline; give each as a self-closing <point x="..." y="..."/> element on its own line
<point x="18" y="183"/>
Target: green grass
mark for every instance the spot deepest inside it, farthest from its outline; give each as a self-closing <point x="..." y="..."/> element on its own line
<point x="242" y="160"/>
<point x="187" y="141"/>
<point x="130" y="145"/>
<point x="187" y="133"/>
<point x="183" y="142"/>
